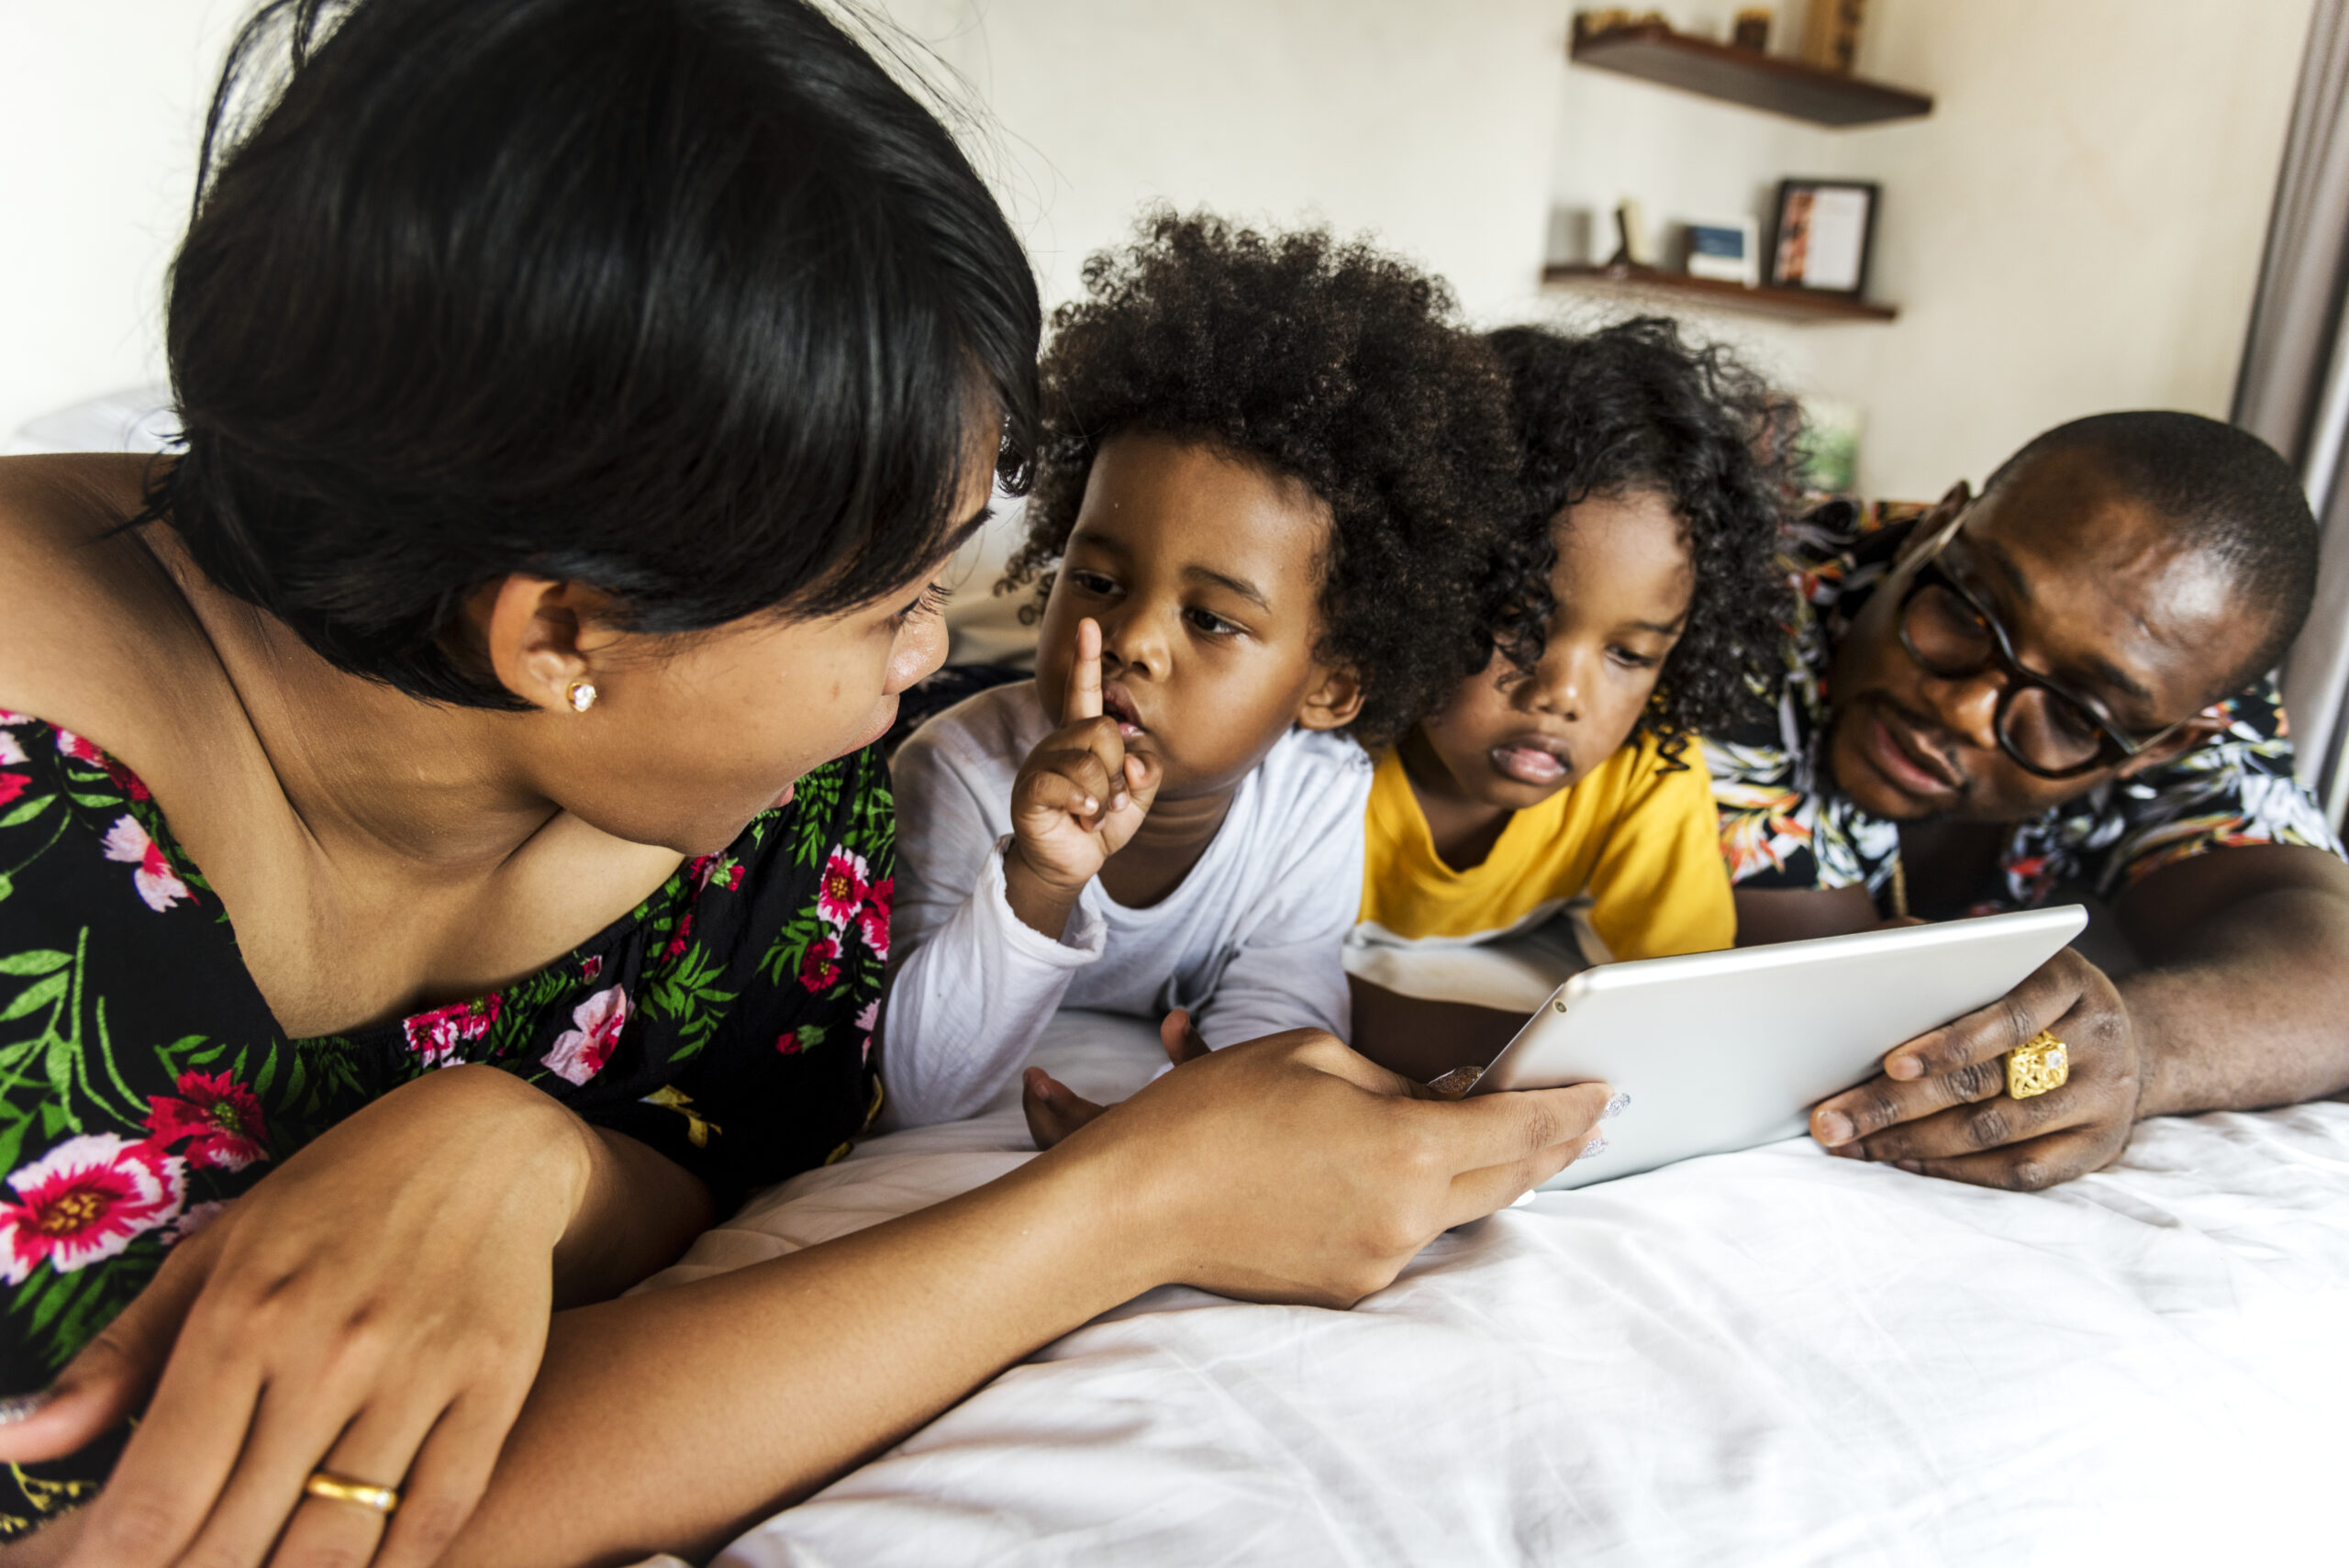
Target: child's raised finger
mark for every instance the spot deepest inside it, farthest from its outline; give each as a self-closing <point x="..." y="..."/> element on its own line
<point x="1084" y="676"/>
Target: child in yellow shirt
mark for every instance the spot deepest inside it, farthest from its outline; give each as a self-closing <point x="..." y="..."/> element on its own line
<point x="1640" y="596"/>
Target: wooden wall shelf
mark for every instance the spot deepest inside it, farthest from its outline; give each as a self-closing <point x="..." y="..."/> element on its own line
<point x="1787" y="305"/>
<point x="1656" y="54"/>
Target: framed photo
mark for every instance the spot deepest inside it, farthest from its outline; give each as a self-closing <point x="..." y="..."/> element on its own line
<point x="1822" y="237"/>
<point x="1727" y="250"/>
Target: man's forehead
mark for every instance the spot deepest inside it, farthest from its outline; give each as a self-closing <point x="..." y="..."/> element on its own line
<point x="2101" y="577"/>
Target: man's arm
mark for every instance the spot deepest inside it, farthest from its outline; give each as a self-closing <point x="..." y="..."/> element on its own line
<point x="2244" y="1001"/>
<point x="2242" y="1006"/>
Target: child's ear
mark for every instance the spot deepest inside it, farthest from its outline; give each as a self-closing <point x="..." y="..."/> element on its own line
<point x="1333" y="702"/>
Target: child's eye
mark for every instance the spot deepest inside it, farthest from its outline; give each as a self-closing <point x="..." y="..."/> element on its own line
<point x="928" y="602"/>
<point x="1629" y="660"/>
<point x="1091" y="583"/>
<point x="1211" y="623"/>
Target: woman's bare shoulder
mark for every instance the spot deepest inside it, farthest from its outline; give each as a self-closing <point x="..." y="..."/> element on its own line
<point x="94" y="633"/>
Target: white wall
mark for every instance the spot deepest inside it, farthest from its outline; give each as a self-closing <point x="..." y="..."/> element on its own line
<point x="2076" y="226"/>
<point x="1429" y="121"/>
<point x="101" y="107"/>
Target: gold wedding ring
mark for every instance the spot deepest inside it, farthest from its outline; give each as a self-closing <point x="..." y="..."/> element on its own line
<point x="343" y="1490"/>
<point x="2037" y="1066"/>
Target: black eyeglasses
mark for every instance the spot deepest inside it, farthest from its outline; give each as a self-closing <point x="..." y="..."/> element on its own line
<point x="2049" y="731"/>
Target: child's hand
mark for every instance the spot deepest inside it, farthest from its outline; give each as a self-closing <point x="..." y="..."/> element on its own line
<point x="1054" y="1110"/>
<point x="1076" y="801"/>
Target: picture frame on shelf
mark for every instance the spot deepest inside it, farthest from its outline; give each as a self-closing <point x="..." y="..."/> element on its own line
<point x="1820" y="235"/>
<point x="1726" y="250"/>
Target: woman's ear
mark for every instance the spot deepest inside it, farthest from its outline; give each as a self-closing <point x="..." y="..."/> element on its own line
<point x="1333" y="702"/>
<point x="530" y="632"/>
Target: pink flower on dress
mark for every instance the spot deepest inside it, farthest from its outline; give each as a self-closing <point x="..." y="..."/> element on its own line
<point x="7" y="718"/>
<point x="865" y="1021"/>
<point x="676" y="948"/>
<point x="10" y="751"/>
<point x="71" y="745"/>
<point x="845" y="888"/>
<point x="439" y="1036"/>
<point x="197" y="1217"/>
<point x="873" y="924"/>
<point x="157" y="883"/>
<point x="86" y="1200"/>
<point x="698" y="870"/>
<point x="12" y="786"/>
<point x="590" y="967"/>
<point x="819" y="967"/>
<point x="578" y="1054"/>
<point x="788" y="1044"/>
<point x="880" y="893"/>
<point x="734" y="877"/>
<point x="219" y="1116"/>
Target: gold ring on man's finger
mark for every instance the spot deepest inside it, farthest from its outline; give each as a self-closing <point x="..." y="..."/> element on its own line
<point x="2037" y="1066"/>
<point x="345" y="1489"/>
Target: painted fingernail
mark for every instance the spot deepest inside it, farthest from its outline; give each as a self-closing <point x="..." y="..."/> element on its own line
<point x="1598" y="1145"/>
<point x="1617" y="1105"/>
<point x="1834" y="1127"/>
<point x="1091" y="804"/>
<point x="22" y="1406"/>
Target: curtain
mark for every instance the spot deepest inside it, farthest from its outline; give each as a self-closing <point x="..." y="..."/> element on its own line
<point x="2293" y="390"/>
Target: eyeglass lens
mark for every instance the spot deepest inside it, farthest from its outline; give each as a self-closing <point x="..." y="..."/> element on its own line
<point x="1948" y="637"/>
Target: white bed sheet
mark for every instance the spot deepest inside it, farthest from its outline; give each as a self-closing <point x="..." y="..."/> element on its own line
<point x="1767" y="1358"/>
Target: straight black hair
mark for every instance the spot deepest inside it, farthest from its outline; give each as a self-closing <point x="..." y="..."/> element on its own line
<point x="689" y="301"/>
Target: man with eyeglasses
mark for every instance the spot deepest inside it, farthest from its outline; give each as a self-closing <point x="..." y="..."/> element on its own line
<point x="2056" y="689"/>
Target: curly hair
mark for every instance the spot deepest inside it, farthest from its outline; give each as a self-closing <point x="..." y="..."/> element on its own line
<point x="1636" y="407"/>
<point x="1331" y="363"/>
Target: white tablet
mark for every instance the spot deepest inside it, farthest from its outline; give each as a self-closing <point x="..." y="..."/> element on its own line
<point x="1722" y="1051"/>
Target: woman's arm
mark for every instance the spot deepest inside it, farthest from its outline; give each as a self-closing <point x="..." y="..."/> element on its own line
<point x="376" y="1305"/>
<point x="733" y="1396"/>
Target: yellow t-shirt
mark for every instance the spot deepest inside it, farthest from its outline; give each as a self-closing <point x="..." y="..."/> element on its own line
<point x="1644" y="844"/>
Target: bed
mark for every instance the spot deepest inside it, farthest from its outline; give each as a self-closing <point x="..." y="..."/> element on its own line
<point x="1771" y="1358"/>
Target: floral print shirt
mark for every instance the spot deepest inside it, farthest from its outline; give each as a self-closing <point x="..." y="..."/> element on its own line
<point x="727" y="1022"/>
<point x="1785" y="825"/>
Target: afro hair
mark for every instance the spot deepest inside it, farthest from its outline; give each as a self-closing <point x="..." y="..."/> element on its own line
<point x="1330" y="363"/>
<point x="1635" y="407"/>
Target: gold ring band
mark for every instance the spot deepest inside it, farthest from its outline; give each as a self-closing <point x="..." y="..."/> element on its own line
<point x="2037" y="1066"/>
<point x="343" y="1490"/>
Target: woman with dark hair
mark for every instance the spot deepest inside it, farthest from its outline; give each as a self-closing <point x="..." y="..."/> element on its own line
<point x="440" y="864"/>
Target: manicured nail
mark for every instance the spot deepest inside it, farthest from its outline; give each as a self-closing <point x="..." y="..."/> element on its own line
<point x="1091" y="805"/>
<point x="1598" y="1145"/>
<point x="1617" y="1105"/>
<point x="1834" y="1127"/>
<point x="22" y="1406"/>
<point x="1903" y="1067"/>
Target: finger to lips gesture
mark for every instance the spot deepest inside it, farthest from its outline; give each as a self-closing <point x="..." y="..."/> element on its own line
<point x="1080" y="794"/>
<point x="1942" y="1108"/>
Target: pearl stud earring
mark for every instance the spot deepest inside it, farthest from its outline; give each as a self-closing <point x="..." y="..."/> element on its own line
<point x="582" y="695"/>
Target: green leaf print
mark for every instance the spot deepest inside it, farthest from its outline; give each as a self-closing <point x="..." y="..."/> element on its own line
<point x="35" y="960"/>
<point x="35" y="998"/>
<point x="27" y="811"/>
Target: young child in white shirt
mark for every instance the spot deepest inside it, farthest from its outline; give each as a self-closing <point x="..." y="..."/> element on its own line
<point x="1268" y="488"/>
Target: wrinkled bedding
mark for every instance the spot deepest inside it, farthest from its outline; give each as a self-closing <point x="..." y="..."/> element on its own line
<point x="1769" y="1358"/>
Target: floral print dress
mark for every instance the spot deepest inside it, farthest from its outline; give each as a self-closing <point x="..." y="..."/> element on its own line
<point x="727" y="1021"/>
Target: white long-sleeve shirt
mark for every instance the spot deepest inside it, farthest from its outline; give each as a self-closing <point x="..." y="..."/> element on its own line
<point x="1250" y="940"/>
